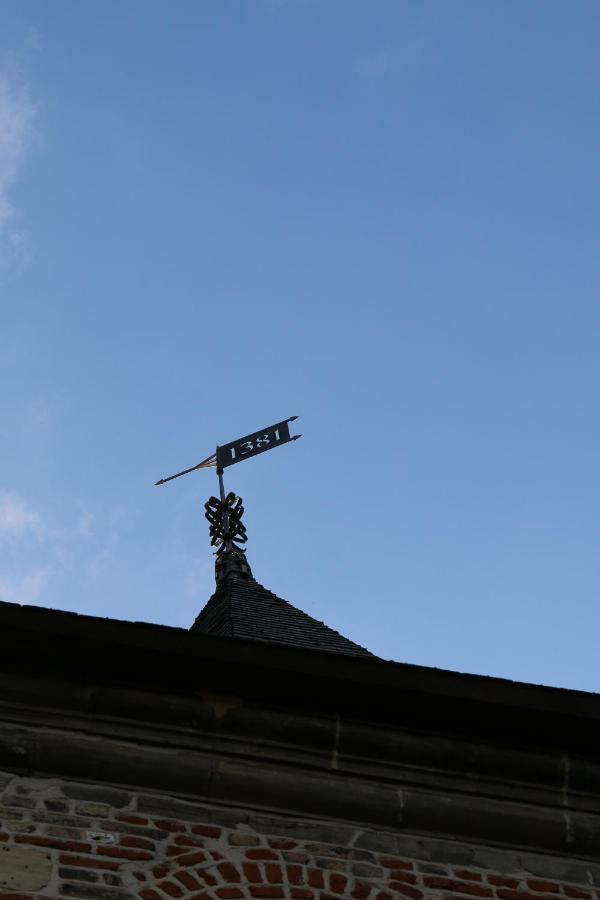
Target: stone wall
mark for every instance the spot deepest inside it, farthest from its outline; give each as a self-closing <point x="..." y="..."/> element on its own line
<point x="63" y="839"/>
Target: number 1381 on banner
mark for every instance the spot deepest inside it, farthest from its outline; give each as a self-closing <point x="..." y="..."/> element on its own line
<point x="258" y="442"/>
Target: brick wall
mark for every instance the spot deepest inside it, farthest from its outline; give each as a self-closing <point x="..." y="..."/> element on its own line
<point x="63" y="839"/>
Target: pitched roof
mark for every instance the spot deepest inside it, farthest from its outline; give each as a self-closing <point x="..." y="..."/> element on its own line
<point x="243" y="608"/>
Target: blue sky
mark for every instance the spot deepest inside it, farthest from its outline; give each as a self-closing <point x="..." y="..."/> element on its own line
<point x="382" y="217"/>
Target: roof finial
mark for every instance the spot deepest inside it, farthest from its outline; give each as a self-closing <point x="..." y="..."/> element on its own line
<point x="227" y="531"/>
<point x="225" y="519"/>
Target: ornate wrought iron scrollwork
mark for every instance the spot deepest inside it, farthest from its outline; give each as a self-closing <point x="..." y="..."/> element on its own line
<point x="225" y="520"/>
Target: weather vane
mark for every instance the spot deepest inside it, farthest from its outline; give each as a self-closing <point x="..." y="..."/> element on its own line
<point x="224" y="515"/>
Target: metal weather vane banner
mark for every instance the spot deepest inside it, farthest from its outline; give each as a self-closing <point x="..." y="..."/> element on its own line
<point x="224" y="514"/>
<point x="258" y="442"/>
<point x="244" y="448"/>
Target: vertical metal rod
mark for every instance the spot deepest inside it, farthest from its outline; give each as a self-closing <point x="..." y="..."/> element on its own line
<point x="228" y="544"/>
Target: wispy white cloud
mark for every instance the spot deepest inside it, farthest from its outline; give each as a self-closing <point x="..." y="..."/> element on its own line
<point x="106" y="545"/>
<point x="16" y="517"/>
<point x="25" y="589"/>
<point x="39" y="556"/>
<point x="22" y="576"/>
<point x="86" y="525"/>
<point x="17" y="115"/>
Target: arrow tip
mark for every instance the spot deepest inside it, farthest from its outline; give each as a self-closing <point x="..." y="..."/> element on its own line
<point x="292" y="418"/>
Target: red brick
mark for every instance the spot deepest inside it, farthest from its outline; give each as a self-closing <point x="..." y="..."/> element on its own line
<point x="53" y="843"/>
<point x="206" y="830"/>
<point x="315" y="878"/>
<point x="149" y="894"/>
<point x="406" y="889"/>
<point x="229" y="893"/>
<point x="185" y="840"/>
<point x="170" y="888"/>
<point x="390" y="862"/>
<point x="216" y="855"/>
<point x="337" y="882"/>
<point x="190" y="859"/>
<point x="266" y="890"/>
<point x="460" y="887"/>
<point x="361" y="891"/>
<point x="261" y="853"/>
<point x="123" y="853"/>
<point x="229" y="872"/>
<point x="188" y="880"/>
<point x="575" y="892"/>
<point x="141" y="843"/>
<point x="503" y="881"/>
<point x="505" y="894"/>
<point x="86" y="862"/>
<point x="406" y="877"/>
<point x="294" y="874"/>
<point x="176" y="851"/>
<point x="3" y="836"/>
<point x="203" y="896"/>
<point x="140" y="876"/>
<point x="274" y="873"/>
<point x="162" y="870"/>
<point x="282" y="844"/>
<point x="302" y="894"/>
<point x="17" y="896"/>
<point x="383" y="895"/>
<point x="252" y="872"/>
<point x="132" y="820"/>
<point x="467" y="875"/>
<point x="169" y="825"/>
<point x="206" y="876"/>
<point x="544" y="887"/>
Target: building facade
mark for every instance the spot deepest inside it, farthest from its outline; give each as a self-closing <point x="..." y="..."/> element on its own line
<point x="262" y="755"/>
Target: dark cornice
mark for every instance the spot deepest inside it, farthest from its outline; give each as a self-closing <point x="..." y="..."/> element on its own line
<point x="266" y="727"/>
<point x="155" y="657"/>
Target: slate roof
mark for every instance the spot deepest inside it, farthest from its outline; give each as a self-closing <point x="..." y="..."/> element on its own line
<point x="243" y="608"/>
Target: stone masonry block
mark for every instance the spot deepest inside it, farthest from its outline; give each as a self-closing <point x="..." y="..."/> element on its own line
<point x="96" y="810"/>
<point x="24" y="869"/>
